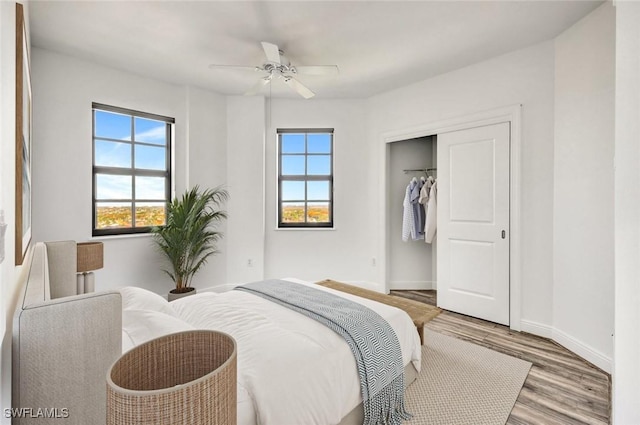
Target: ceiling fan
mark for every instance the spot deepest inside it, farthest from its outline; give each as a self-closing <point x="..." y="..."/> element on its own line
<point x="278" y="66"/>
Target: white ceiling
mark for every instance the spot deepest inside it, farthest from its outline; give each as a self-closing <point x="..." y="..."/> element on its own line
<point x="377" y="45"/>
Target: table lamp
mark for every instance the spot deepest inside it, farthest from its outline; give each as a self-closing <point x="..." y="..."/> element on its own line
<point x="90" y="257"/>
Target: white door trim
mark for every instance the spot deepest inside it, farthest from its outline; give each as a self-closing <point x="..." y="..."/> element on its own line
<point x="512" y="114"/>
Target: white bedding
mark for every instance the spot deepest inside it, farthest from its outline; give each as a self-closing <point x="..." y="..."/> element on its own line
<point x="291" y="369"/>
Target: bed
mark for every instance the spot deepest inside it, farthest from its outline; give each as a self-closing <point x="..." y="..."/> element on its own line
<point x="315" y="383"/>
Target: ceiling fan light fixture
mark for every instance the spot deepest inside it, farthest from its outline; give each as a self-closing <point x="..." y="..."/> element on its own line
<point x="278" y="65"/>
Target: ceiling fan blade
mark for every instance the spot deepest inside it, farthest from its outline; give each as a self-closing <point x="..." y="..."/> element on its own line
<point x="316" y="70"/>
<point x="299" y="87"/>
<point x="235" y="67"/>
<point x="272" y="52"/>
<point x="258" y="86"/>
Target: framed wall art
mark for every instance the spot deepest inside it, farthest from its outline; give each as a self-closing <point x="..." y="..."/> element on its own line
<point x="23" y="139"/>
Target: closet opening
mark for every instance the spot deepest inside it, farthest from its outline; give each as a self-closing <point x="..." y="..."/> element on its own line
<point x="412" y="243"/>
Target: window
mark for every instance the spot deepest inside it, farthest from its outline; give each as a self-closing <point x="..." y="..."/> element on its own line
<point x="131" y="170"/>
<point x="305" y="178"/>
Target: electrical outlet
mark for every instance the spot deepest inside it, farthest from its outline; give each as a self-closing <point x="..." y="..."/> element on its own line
<point x="249" y="262"/>
<point x="373" y="261"/>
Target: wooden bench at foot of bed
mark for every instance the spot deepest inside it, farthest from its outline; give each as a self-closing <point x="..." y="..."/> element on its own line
<point x="419" y="312"/>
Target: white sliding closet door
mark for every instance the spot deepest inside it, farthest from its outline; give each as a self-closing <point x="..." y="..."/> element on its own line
<point x="473" y="222"/>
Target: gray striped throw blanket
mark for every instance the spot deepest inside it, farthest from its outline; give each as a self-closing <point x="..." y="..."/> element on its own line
<point x="371" y="339"/>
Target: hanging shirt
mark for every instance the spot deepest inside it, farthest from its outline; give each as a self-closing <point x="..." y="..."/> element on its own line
<point x="418" y="212"/>
<point x="424" y="193"/>
<point x="407" y="214"/>
<point x="408" y="222"/>
<point x="424" y="201"/>
<point x="430" y="226"/>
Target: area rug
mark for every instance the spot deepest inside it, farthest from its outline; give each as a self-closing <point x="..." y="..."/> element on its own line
<point x="463" y="383"/>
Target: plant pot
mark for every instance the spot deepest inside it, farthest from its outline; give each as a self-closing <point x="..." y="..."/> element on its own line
<point x="174" y="294"/>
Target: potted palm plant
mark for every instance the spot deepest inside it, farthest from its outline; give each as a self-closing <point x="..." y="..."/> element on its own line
<point x="189" y="237"/>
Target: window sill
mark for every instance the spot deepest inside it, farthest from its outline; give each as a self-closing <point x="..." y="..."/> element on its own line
<point x="128" y="236"/>
<point x="312" y="229"/>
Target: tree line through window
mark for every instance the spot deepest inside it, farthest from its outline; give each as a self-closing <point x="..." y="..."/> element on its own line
<point x="131" y="170"/>
<point x="305" y="178"/>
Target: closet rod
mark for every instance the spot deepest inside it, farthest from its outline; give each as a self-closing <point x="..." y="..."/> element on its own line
<point x="424" y="170"/>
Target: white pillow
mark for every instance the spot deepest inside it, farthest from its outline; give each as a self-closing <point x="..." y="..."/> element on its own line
<point x="134" y="298"/>
<point x="144" y="325"/>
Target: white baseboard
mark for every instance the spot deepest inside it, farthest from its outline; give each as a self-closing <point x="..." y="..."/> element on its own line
<point x="570" y="343"/>
<point x="536" y="328"/>
<point x="586" y="352"/>
<point x="411" y="285"/>
<point x="363" y="284"/>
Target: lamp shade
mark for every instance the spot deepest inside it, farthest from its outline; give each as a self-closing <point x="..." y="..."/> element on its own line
<point x="90" y="256"/>
<point x="184" y="378"/>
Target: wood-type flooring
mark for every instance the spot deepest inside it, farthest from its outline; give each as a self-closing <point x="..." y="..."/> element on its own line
<point x="561" y="387"/>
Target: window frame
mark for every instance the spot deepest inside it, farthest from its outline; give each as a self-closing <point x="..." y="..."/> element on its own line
<point x="305" y="178"/>
<point x="132" y="171"/>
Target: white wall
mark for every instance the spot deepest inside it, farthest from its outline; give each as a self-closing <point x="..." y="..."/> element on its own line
<point x="523" y="77"/>
<point x="583" y="239"/>
<point x="7" y="192"/>
<point x="411" y="263"/>
<point x="207" y="166"/>
<point x="245" y="177"/>
<point x="626" y="373"/>
<point x="64" y="88"/>
<point x="8" y="270"/>
<point x="344" y="252"/>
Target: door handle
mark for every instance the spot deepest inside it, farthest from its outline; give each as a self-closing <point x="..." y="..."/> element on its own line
<point x="504" y="234"/>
